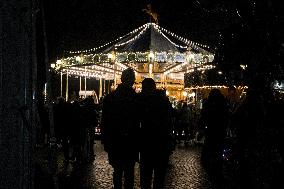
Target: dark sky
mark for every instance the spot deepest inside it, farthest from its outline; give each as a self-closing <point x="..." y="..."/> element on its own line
<point x="244" y="25"/>
<point x="83" y="24"/>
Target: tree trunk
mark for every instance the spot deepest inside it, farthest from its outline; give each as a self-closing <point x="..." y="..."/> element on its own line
<point x="17" y="92"/>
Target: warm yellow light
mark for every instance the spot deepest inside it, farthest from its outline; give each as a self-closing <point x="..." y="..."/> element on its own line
<point x="243" y="66"/>
<point x="78" y="58"/>
<point x="58" y="61"/>
<point x="151" y="55"/>
<point x="150" y="68"/>
<point x="110" y="56"/>
<point x="52" y="65"/>
<point x="191" y="56"/>
<point x="184" y="93"/>
<point x="167" y="92"/>
<point x="192" y="94"/>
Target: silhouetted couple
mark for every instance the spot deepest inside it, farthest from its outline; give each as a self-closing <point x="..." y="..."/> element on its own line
<point x="133" y="123"/>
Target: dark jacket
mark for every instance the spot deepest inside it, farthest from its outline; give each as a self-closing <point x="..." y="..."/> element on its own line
<point x="156" y="124"/>
<point x="120" y="124"/>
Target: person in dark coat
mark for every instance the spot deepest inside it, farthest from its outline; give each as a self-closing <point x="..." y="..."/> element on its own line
<point x="77" y="130"/>
<point x="62" y="125"/>
<point x="90" y="117"/>
<point x="214" y="116"/>
<point x="119" y="130"/>
<point x="156" y="138"/>
<point x="260" y="137"/>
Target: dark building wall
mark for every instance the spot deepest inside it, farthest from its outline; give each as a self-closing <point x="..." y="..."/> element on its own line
<point x="17" y="77"/>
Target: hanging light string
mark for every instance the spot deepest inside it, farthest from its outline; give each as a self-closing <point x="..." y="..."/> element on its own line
<point x="111" y="42"/>
<point x="160" y="32"/>
<point x="91" y="71"/>
<point x="134" y="38"/>
<point x="186" y="41"/>
<point x="175" y="68"/>
<point x="87" y="58"/>
<point x="215" y="86"/>
<point x="190" y="43"/>
<point x="201" y="68"/>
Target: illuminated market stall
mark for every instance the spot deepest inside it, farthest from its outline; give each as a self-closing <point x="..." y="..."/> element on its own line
<point x="150" y="50"/>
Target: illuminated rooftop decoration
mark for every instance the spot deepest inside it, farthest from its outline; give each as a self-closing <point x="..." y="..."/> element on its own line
<point x="169" y="53"/>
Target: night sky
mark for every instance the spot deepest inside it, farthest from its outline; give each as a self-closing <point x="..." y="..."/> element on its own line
<point x="83" y="24"/>
<point x="236" y="29"/>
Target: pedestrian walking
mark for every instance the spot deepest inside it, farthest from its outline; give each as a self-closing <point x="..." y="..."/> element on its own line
<point x="156" y="140"/>
<point x="214" y="117"/>
<point x="119" y="130"/>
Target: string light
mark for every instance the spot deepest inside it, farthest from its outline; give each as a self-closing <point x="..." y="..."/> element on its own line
<point x="201" y="68"/>
<point x="101" y="64"/>
<point x="188" y="42"/>
<point x="132" y="39"/>
<point x="184" y="47"/>
<point x="215" y="86"/>
<point x="111" y="42"/>
<point x="196" y="46"/>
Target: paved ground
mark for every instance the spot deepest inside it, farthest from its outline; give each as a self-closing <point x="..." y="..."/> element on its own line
<point x="185" y="171"/>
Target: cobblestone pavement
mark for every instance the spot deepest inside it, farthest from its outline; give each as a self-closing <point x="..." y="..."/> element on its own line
<point x="185" y="172"/>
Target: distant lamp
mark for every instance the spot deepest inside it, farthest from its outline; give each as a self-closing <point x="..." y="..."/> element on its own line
<point x="192" y="94"/>
<point x="244" y="67"/>
<point x="110" y="56"/>
<point x="151" y="56"/>
<point x="59" y="61"/>
<point x="167" y="93"/>
<point x="184" y="93"/>
<point x="150" y="68"/>
<point x="190" y="57"/>
<point x="220" y="72"/>
<point x="52" y="65"/>
<point x="78" y="59"/>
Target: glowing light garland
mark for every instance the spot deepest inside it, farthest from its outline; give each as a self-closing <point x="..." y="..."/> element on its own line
<point x="179" y="46"/>
<point x="214" y="86"/>
<point x="82" y="72"/>
<point x="134" y="38"/>
<point x="175" y="68"/>
<point x="144" y="27"/>
<point x="96" y="48"/>
<point x="202" y="68"/>
<point x="102" y="65"/>
<point x="188" y="42"/>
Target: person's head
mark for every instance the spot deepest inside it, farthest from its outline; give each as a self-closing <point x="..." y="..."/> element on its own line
<point x="148" y="85"/>
<point x="128" y="77"/>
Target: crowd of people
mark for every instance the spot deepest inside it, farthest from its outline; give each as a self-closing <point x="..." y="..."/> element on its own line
<point x="251" y="128"/>
<point x="145" y="128"/>
<point x="71" y="126"/>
